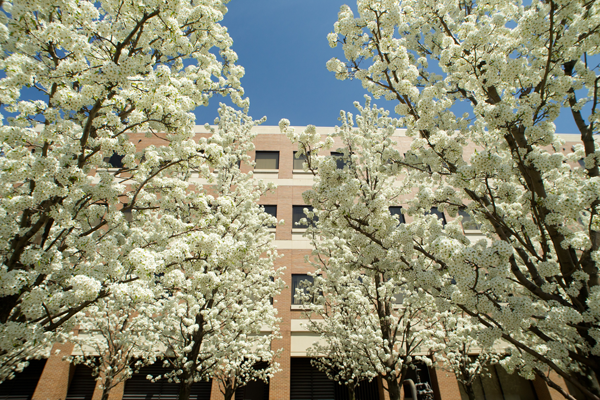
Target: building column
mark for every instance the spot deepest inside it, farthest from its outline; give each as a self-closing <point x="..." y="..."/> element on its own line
<point x="215" y="392"/>
<point x="544" y="392"/>
<point x="279" y="384"/>
<point x="55" y="379"/>
<point x="384" y="394"/>
<point x="447" y="385"/>
<point x="116" y="393"/>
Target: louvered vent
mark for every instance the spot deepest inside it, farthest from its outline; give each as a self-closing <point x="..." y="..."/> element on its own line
<point x="140" y="388"/>
<point x="308" y="383"/>
<point x="23" y="385"/>
<point x="82" y="384"/>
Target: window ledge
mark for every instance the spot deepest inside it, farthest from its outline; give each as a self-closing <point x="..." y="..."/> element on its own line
<point x="266" y="171"/>
<point x="300" y="307"/>
<point x="111" y="170"/>
<point x="299" y="230"/>
<point x="301" y="172"/>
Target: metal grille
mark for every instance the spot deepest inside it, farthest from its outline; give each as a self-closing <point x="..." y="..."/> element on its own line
<point x="82" y="384"/>
<point x="308" y="383"/>
<point x="140" y="388"/>
<point x="22" y="386"/>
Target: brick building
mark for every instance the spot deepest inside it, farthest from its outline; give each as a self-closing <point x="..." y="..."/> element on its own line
<point x="55" y="379"/>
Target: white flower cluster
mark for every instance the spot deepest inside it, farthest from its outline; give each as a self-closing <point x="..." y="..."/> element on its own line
<point x="532" y="281"/>
<point x="98" y="226"/>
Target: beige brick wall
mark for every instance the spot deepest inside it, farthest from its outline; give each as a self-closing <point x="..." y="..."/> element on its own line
<point x="54" y="382"/>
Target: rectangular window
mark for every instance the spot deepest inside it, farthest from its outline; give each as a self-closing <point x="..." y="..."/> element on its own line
<point x="299" y="160"/>
<point x="439" y="214"/>
<point x="468" y="222"/>
<point x="339" y="159"/>
<point x="128" y="215"/>
<point x="298" y="214"/>
<point x="115" y="161"/>
<point x="397" y="210"/>
<point x="267" y="160"/>
<point x="297" y="280"/>
<point x="398" y="297"/>
<point x="271" y="210"/>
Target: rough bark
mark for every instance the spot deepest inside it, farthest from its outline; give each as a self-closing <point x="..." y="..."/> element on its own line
<point x="393" y="389"/>
<point x="185" y="387"/>
<point x="351" y="391"/>
<point x="468" y="390"/>
<point x="229" y="393"/>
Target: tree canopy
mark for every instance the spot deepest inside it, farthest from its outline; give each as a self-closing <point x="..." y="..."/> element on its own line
<point x="533" y="281"/>
<point x="104" y="184"/>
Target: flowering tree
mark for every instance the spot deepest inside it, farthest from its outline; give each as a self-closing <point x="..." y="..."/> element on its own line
<point x="374" y="317"/>
<point x="364" y="335"/>
<point x="462" y="352"/>
<point x="115" y="335"/>
<point x="219" y="277"/>
<point x="534" y="282"/>
<point x="246" y="366"/>
<point x="102" y="71"/>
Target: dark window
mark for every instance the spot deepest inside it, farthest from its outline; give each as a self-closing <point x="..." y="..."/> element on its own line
<point x="339" y="159"/>
<point x="439" y="214"/>
<point x="468" y="222"/>
<point x="23" y="384"/>
<point x="254" y="390"/>
<point x="419" y="372"/>
<point x="139" y="387"/>
<point x="267" y="160"/>
<point x="307" y="382"/>
<point x="298" y="214"/>
<point x="115" y="161"/>
<point x="128" y="215"/>
<point x="82" y="384"/>
<point x="297" y="280"/>
<point x="396" y="210"/>
<point x="398" y="297"/>
<point x="299" y="160"/>
<point x="271" y="210"/>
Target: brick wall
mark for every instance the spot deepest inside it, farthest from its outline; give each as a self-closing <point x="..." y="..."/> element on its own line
<point x="54" y="382"/>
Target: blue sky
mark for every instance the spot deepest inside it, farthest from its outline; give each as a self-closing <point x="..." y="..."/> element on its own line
<point x="283" y="46"/>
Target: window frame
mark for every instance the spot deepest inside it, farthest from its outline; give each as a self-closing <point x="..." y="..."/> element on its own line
<point x="298" y="158"/>
<point x="440" y="215"/>
<point x="264" y="206"/>
<point x="294" y="221"/>
<point x="468" y="220"/>
<point x="114" y="158"/>
<point x="265" y="152"/>
<point x="338" y="156"/>
<point x="296" y="285"/>
<point x="401" y="218"/>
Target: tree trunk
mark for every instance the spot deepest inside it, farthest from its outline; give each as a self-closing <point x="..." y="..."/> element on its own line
<point x="185" y="388"/>
<point x="393" y="389"/>
<point x="105" y="394"/>
<point x="229" y="393"/>
<point x="351" y="391"/>
<point x="106" y="387"/>
<point x="589" y="381"/>
<point x="468" y="390"/>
